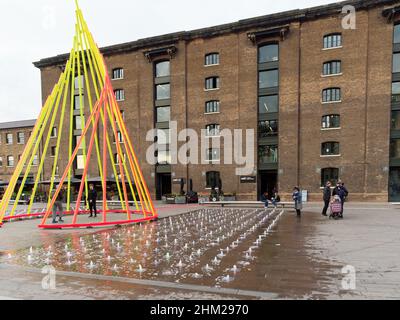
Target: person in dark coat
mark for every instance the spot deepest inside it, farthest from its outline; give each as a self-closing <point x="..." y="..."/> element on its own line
<point x="298" y="203"/>
<point x="327" y="198"/>
<point x="264" y="198"/>
<point x="92" y="201"/>
<point x="342" y="192"/>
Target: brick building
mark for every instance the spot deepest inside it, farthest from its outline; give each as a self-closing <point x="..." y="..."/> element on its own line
<point x="13" y="139"/>
<point x="324" y="100"/>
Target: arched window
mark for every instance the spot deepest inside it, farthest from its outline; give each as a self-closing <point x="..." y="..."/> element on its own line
<point x="163" y="69"/>
<point x="117" y="74"/>
<point x="212" y="130"/>
<point x="332" y="67"/>
<point x="212" y="83"/>
<point x="330" y="148"/>
<point x="212" y="59"/>
<point x="330" y="121"/>
<point x="268" y="53"/>
<point x="333" y="40"/>
<point x="329" y="174"/>
<point x="212" y="106"/>
<point x="331" y="95"/>
<point x="396" y="34"/>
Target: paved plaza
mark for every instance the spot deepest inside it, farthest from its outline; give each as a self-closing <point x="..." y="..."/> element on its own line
<point x="301" y="259"/>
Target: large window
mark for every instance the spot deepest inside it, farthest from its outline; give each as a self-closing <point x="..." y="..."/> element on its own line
<point x="119" y="94"/>
<point x="79" y="123"/>
<point x="212" y="106"/>
<point x="212" y="83"/>
<point x="329" y="174"/>
<point x="77" y="102"/>
<point x="163" y="157"/>
<point x="268" y="154"/>
<point x="163" y="114"/>
<point x="10" y="161"/>
<point x="395" y="92"/>
<point x="396" y="63"/>
<point x="163" y="136"/>
<point x="163" y="91"/>
<point x="213" y="130"/>
<point x="269" y="79"/>
<point x="212" y="179"/>
<point x="330" y="149"/>
<point x="331" y="95"/>
<point x="79" y="82"/>
<point x="331" y="121"/>
<point x="9" y="138"/>
<point x="80" y="162"/>
<point x="268" y="128"/>
<point x="118" y="74"/>
<point x="54" y="132"/>
<point x="332" y="68"/>
<point x="21" y="138"/>
<point x="212" y="59"/>
<point x="332" y="41"/>
<point x="395" y="148"/>
<point x="395" y="120"/>
<point x="213" y="155"/>
<point x="268" y="104"/>
<point x="163" y="69"/>
<point x="396" y="38"/>
<point x="268" y="53"/>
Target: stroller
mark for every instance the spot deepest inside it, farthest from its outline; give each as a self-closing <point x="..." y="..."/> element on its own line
<point x="336" y="208"/>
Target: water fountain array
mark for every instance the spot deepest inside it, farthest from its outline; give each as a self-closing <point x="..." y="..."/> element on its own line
<point x="209" y="246"/>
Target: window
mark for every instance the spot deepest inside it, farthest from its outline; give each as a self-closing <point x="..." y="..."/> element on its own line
<point x="21" y="138"/>
<point x="35" y="161"/>
<point x="163" y="157"/>
<point x="330" y="149"/>
<point x="213" y="155"/>
<point x="10" y="161"/>
<point x="333" y="41"/>
<point x="268" y="53"/>
<point x="9" y="138"/>
<point x="268" y="104"/>
<point x="53" y="151"/>
<point x="79" y="81"/>
<point x="118" y="74"/>
<point x="212" y="106"/>
<point x="163" y="69"/>
<point x="268" y="154"/>
<point x="212" y="59"/>
<point x="331" y="95"/>
<point x="80" y="162"/>
<point x="331" y="121"/>
<point x="396" y="38"/>
<point x="119" y="94"/>
<point x="395" y="92"/>
<point x="163" y="136"/>
<point x="212" y="83"/>
<point x="120" y="139"/>
<point x="396" y="63"/>
<point x="163" y="114"/>
<point x="1" y="161"/>
<point x="329" y="174"/>
<point x="268" y="79"/>
<point x="77" y="138"/>
<point x="332" y="67"/>
<point x="163" y="91"/>
<point x="267" y="128"/>
<point x="213" y="179"/>
<point x="395" y="148"/>
<point x="212" y="130"/>
<point x="78" y="122"/>
<point x="395" y="120"/>
<point x="54" y="132"/>
<point x="77" y="102"/>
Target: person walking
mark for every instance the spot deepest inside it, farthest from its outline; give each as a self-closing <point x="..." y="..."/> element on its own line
<point x="58" y="205"/>
<point x="92" y="201"/>
<point x="298" y="205"/>
<point x="327" y="198"/>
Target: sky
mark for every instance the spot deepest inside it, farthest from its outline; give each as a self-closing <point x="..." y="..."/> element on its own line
<point x="35" y="29"/>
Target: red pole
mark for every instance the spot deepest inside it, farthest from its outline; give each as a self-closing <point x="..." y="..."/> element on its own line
<point x="105" y="159"/>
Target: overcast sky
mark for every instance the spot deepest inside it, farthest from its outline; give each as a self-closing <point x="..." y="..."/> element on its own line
<point x="34" y="29"/>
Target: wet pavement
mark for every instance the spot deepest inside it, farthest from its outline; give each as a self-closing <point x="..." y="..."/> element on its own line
<point x="210" y="254"/>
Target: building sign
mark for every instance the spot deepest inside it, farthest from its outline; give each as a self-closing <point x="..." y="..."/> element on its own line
<point x="179" y="181"/>
<point x="248" y="179"/>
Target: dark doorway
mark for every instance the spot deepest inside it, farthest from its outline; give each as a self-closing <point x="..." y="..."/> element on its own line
<point x="268" y="181"/>
<point x="164" y="185"/>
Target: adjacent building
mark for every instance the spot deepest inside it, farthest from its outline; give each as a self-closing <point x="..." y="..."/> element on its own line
<point x="324" y="100"/>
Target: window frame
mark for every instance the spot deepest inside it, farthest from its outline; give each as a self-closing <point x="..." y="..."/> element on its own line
<point x="328" y="41"/>
<point x="217" y="83"/>
<point x="212" y="176"/>
<point x="157" y="63"/>
<point x="8" y="143"/>
<point x="265" y="45"/>
<point x="214" y="105"/>
<point x="10" y="159"/>
<point x="333" y="92"/>
<point x="330" y="68"/>
<point x="120" y="98"/>
<point x="331" y="179"/>
<point x="275" y="71"/>
<point x="19" y="138"/>
<point x="119" y="71"/>
<point x="333" y="146"/>
<point x="212" y="55"/>
<point x="337" y="116"/>
<point x="216" y="129"/>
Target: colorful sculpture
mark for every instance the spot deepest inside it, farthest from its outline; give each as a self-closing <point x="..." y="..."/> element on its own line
<point x="83" y="86"/>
